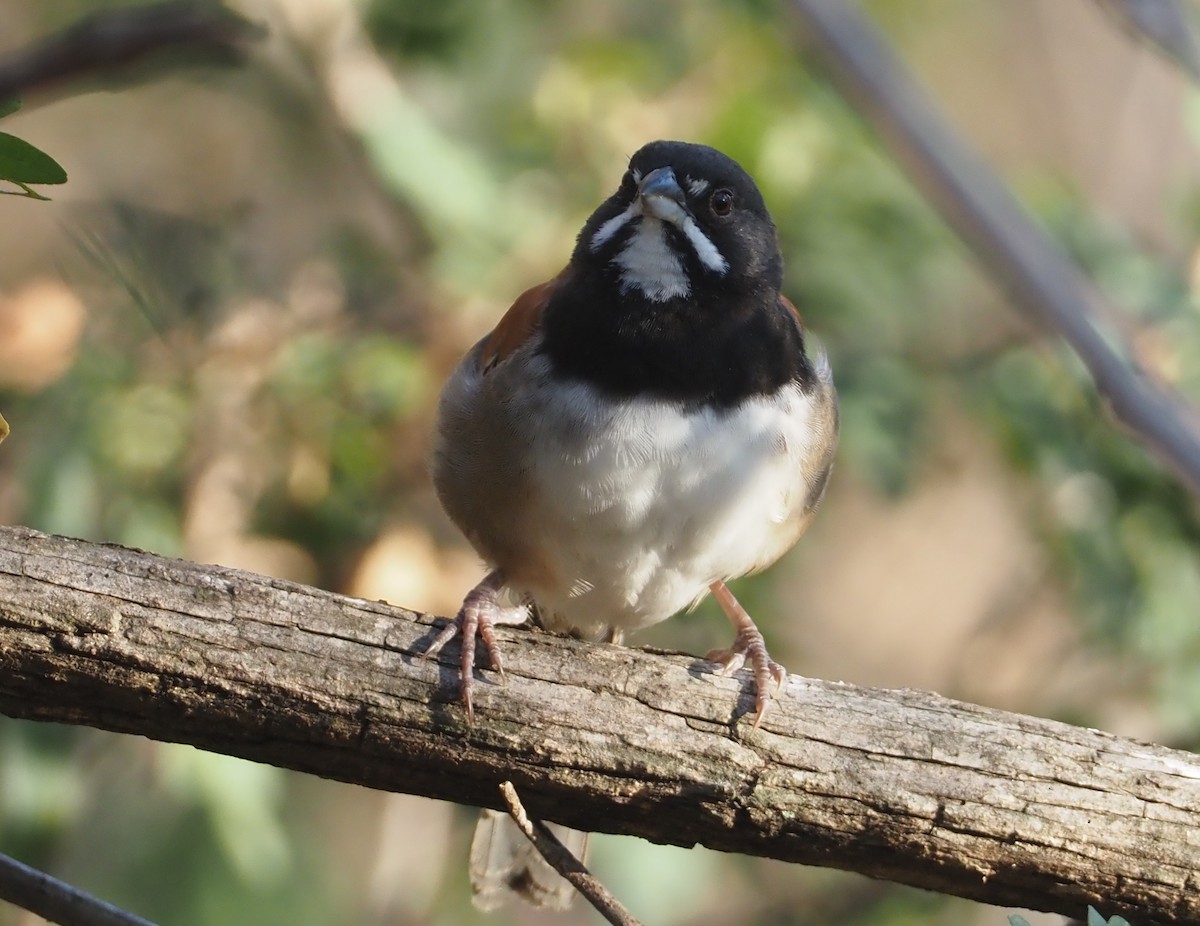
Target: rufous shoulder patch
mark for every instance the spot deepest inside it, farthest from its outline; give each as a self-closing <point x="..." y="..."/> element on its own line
<point x="790" y="306"/>
<point x="519" y="323"/>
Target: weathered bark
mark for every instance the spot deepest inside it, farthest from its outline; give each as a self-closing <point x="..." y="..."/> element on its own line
<point x="904" y="785"/>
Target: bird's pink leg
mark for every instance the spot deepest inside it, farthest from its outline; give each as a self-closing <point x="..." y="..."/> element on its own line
<point x="479" y="614"/>
<point x="749" y="644"/>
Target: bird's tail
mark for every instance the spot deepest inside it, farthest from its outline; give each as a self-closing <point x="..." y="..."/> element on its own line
<point x="504" y="865"/>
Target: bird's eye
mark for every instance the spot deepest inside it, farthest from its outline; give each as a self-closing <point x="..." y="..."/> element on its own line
<point x="721" y="202"/>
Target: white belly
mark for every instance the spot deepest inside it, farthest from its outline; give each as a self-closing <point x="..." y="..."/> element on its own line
<point x="635" y="508"/>
<point x="656" y="503"/>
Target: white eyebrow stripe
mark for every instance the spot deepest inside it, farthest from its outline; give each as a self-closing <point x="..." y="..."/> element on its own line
<point x="704" y="248"/>
<point x="696" y="187"/>
<point x="613" y="225"/>
<point x="637" y="174"/>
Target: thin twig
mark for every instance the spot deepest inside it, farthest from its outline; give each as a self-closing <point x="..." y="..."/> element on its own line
<point x="57" y="901"/>
<point x="108" y="40"/>
<point x="1034" y="271"/>
<point x="561" y="860"/>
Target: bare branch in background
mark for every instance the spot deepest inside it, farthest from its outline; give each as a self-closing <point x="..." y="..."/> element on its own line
<point x="1029" y="266"/>
<point x="57" y="901"/>
<point x="107" y="41"/>
<point x="1165" y="24"/>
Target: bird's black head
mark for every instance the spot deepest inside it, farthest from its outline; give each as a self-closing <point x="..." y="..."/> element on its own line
<point x="673" y="289"/>
<point x="686" y="220"/>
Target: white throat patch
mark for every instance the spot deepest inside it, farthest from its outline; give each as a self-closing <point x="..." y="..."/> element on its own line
<point x="647" y="261"/>
<point x="650" y="264"/>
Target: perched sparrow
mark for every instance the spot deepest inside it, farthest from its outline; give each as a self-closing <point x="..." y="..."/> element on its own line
<point x="643" y="427"/>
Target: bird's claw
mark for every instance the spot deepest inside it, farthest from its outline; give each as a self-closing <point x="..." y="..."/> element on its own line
<point x="477" y="616"/>
<point x="748" y="644"/>
<point x="766" y="670"/>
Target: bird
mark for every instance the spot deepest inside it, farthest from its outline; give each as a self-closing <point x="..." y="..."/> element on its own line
<point x="644" y="427"/>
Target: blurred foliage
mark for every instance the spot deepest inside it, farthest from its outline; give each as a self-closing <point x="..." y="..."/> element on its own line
<point x="231" y="349"/>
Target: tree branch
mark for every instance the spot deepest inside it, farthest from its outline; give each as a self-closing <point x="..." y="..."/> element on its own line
<point x="903" y="785"/>
<point x="100" y="44"/>
<point x="1038" y="277"/>
<point x="56" y="901"/>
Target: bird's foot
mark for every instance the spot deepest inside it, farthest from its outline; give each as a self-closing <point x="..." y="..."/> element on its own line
<point x="479" y="614"/>
<point x="748" y="644"/>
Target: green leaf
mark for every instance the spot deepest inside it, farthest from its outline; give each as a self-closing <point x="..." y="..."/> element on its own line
<point x="1015" y="919"/>
<point x="1096" y="918"/>
<point x="20" y="162"/>
<point x="9" y="106"/>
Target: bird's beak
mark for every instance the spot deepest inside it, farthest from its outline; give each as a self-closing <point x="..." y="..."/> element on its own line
<point x="662" y="196"/>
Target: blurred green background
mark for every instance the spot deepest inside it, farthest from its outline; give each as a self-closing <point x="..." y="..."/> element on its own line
<point x="223" y="338"/>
